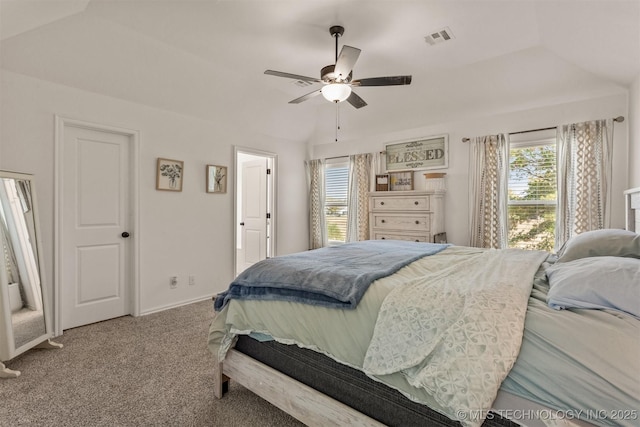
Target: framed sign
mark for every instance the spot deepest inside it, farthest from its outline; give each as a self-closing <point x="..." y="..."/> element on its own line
<point x="425" y="153"/>
<point x="216" y="179"/>
<point x="169" y="174"/>
<point x="401" y="181"/>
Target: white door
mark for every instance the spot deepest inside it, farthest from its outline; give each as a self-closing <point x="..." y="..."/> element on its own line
<point x="94" y="193"/>
<point x="253" y="213"/>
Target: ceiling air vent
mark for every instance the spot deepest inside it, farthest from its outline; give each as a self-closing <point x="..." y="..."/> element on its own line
<point x="439" y="36"/>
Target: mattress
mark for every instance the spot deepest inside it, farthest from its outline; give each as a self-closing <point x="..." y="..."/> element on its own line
<point x="348" y="385"/>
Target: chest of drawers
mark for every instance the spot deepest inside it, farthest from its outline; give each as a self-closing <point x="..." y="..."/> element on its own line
<point x="406" y="215"/>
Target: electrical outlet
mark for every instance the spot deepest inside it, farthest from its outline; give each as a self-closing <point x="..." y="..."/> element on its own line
<point x="173" y="282"/>
<point x="192" y="280"/>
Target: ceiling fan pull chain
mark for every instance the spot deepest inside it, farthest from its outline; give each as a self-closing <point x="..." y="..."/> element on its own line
<point x="337" y="119"/>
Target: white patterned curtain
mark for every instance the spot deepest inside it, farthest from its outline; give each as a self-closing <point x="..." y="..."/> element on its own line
<point x="317" y="219"/>
<point x="360" y="166"/>
<point x="488" y="186"/>
<point x="584" y="178"/>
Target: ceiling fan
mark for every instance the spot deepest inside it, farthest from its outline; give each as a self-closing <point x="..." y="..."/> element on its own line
<point x="338" y="78"/>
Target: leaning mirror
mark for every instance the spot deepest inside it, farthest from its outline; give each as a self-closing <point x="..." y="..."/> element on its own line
<point x="24" y="306"/>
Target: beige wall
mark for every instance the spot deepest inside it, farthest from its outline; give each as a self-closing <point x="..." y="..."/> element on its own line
<point x="186" y="233"/>
<point x="456" y="201"/>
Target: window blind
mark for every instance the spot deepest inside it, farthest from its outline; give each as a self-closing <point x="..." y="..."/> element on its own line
<point x="336" y="191"/>
<point x="532" y="194"/>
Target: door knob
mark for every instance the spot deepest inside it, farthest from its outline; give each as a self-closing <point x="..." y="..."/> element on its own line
<point x="242" y="223"/>
<point x="125" y="234"/>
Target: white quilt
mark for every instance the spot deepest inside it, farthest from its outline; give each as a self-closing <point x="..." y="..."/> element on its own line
<point x="457" y="332"/>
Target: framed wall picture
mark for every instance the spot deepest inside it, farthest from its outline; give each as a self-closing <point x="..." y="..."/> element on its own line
<point x="216" y="179"/>
<point x="424" y="153"/>
<point x="169" y="174"/>
<point x="401" y="181"/>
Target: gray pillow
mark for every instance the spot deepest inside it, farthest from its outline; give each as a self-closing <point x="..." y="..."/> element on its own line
<point x="607" y="242"/>
<point x="596" y="282"/>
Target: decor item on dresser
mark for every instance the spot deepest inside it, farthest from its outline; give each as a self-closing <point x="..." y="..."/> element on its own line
<point x="440" y="237"/>
<point x="382" y="182"/>
<point x="435" y="181"/>
<point x="406" y="215"/>
<point x="401" y="181"/>
<point x="424" y="153"/>
<point x="216" y="179"/>
<point x="25" y="314"/>
<point x="169" y="174"/>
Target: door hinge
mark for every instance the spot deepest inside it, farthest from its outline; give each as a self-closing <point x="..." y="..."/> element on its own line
<point x="268" y="171"/>
<point x="268" y="215"/>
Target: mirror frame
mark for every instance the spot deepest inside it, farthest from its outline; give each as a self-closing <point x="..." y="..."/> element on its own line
<point x="8" y="350"/>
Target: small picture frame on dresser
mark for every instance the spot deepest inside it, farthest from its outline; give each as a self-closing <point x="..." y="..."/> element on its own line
<point x="382" y="182"/>
<point x="401" y="181"/>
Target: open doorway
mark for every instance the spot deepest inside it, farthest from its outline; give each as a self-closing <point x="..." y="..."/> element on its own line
<point x="255" y="176"/>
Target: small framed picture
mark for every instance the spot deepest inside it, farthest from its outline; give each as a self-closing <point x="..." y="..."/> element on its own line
<point x="216" y="179"/>
<point x="382" y="182"/>
<point x="169" y="174"/>
<point x="401" y="181"/>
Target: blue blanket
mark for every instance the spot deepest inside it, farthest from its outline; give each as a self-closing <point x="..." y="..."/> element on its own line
<point x="336" y="276"/>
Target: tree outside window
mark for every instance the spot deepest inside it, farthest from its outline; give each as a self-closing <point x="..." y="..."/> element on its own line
<point x="532" y="196"/>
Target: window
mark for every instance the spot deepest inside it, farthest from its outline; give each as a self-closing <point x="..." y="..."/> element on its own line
<point x="532" y="193"/>
<point x="336" y="190"/>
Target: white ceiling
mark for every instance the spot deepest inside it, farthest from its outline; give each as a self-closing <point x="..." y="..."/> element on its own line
<point x="206" y="58"/>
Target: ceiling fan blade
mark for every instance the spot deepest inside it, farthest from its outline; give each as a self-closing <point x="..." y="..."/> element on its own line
<point x="345" y="62"/>
<point x="383" y="81"/>
<point x="292" y="76"/>
<point x="305" y="97"/>
<point x="355" y="100"/>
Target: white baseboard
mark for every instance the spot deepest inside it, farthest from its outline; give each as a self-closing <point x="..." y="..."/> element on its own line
<point x="178" y="304"/>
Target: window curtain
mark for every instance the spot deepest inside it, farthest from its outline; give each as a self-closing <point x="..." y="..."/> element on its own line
<point x="488" y="186"/>
<point x="584" y="178"/>
<point x="317" y="218"/>
<point x="360" y="166"/>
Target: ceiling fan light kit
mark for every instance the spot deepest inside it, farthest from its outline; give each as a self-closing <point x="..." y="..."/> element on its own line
<point x="338" y="78"/>
<point x="336" y="92"/>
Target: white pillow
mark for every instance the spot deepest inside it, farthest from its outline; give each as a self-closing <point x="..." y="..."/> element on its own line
<point x="607" y="242"/>
<point x="596" y="282"/>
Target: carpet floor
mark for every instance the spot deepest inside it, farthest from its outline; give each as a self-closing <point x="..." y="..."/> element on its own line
<point x="153" y="370"/>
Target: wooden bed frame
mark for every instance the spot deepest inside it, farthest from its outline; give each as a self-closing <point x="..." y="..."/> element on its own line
<point x="298" y="400"/>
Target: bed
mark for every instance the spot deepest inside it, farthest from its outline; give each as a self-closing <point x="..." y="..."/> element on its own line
<point x="545" y="349"/>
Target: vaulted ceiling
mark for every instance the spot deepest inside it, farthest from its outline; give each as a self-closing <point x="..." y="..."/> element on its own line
<point x="207" y="58"/>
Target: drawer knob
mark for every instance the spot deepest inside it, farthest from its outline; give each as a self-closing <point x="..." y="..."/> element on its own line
<point x="417" y="240"/>
<point x="382" y="203"/>
<point x="417" y="222"/>
<point x="383" y="238"/>
<point x="382" y="221"/>
<point x="416" y="203"/>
